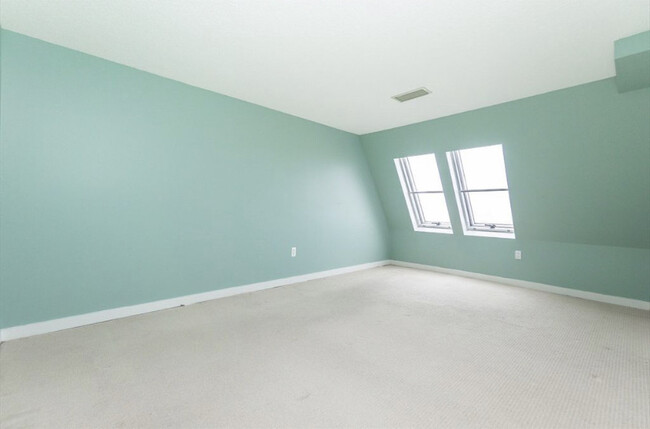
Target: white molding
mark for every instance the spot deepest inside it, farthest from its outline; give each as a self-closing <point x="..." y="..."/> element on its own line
<point x="38" y="328"/>
<point x="434" y="230"/>
<point x="475" y="233"/>
<point x="592" y="296"/>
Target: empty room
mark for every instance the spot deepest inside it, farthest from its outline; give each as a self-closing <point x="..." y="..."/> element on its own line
<point x="325" y="214"/>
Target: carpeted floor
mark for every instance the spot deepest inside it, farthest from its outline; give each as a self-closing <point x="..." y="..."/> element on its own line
<point x="386" y="347"/>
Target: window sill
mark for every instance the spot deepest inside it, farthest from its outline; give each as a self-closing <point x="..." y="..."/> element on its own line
<point x="434" y="230"/>
<point x="472" y="233"/>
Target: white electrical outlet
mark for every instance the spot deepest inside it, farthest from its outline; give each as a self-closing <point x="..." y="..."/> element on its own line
<point x="517" y="254"/>
<point x="293" y="252"/>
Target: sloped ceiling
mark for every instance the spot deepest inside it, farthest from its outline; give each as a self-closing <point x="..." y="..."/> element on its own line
<point x="338" y="62"/>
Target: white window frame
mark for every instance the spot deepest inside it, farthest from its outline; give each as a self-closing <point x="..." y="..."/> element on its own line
<point x="470" y="227"/>
<point x="413" y="203"/>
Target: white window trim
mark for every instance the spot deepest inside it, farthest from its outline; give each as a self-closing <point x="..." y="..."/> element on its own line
<point x="467" y="230"/>
<point x="409" y="206"/>
<point x="496" y="234"/>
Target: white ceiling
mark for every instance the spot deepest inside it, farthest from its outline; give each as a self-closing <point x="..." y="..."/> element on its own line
<point x="338" y="62"/>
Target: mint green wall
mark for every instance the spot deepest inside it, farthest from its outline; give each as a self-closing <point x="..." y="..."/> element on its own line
<point x="578" y="167"/>
<point x="632" y="45"/>
<point x="632" y="59"/>
<point x="120" y="187"/>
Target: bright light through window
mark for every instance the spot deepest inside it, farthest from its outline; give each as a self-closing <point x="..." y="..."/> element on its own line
<point x="482" y="190"/>
<point x="425" y="173"/>
<point x="423" y="193"/>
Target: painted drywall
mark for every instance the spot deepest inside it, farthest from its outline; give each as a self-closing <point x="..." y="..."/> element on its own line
<point x="577" y="165"/>
<point x="632" y="59"/>
<point x="119" y="187"/>
<point x="632" y="45"/>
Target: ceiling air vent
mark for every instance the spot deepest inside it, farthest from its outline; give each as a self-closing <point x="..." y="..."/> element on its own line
<point x="411" y="95"/>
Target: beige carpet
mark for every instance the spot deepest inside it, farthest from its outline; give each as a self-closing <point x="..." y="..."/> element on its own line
<point x="387" y="347"/>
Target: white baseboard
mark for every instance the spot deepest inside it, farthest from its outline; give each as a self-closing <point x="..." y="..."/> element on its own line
<point x="38" y="328"/>
<point x="626" y="302"/>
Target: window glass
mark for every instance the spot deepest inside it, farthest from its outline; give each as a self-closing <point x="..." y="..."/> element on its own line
<point x="484" y="168"/>
<point x="425" y="173"/>
<point x="434" y="207"/>
<point x="491" y="207"/>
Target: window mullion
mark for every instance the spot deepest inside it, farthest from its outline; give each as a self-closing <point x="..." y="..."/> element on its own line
<point x="486" y="190"/>
<point x="462" y="187"/>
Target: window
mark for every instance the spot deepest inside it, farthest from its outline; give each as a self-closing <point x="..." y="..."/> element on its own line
<point x="423" y="193"/>
<point x="479" y="177"/>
